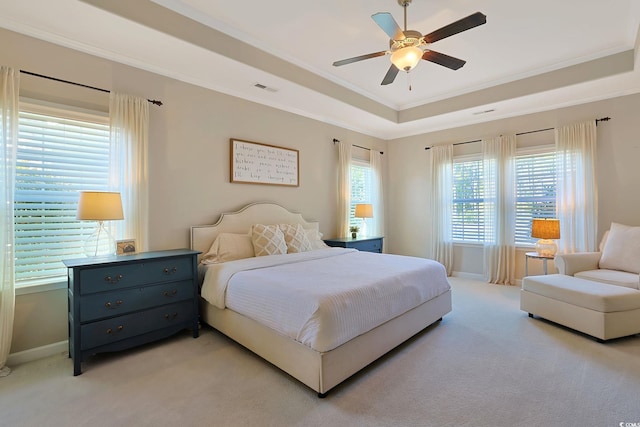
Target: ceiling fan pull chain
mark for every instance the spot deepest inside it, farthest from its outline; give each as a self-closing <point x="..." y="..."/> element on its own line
<point x="409" y="80"/>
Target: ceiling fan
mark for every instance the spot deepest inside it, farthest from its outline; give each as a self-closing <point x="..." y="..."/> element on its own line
<point x="407" y="47"/>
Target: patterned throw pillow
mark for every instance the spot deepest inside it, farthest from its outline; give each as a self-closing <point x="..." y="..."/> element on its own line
<point x="295" y="238"/>
<point x="268" y="240"/>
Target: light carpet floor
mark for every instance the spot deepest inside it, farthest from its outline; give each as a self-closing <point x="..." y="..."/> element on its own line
<point x="486" y="364"/>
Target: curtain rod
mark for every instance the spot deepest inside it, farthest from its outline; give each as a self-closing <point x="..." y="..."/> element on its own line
<point x="153" y="101"/>
<point x="604" y="119"/>
<point x="335" y="141"/>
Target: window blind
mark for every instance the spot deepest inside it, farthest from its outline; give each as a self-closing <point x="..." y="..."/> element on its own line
<point x="535" y="192"/>
<point x="57" y="156"/>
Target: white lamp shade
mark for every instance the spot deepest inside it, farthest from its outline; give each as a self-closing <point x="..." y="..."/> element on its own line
<point x="364" y="210"/>
<point x="407" y="57"/>
<point x="99" y="206"/>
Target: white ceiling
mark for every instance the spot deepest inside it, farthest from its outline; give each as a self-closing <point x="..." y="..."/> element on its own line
<point x="517" y="62"/>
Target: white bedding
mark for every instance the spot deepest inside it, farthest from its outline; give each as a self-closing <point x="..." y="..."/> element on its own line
<point x="326" y="297"/>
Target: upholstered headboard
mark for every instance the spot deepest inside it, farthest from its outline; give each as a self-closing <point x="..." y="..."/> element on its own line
<point x="202" y="236"/>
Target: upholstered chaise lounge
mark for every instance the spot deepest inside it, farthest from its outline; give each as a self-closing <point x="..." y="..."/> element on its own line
<point x="597" y="293"/>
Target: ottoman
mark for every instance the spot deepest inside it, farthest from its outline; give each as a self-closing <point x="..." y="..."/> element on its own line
<point x="598" y="309"/>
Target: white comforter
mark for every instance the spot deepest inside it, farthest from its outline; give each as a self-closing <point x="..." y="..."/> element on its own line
<point x="326" y="297"/>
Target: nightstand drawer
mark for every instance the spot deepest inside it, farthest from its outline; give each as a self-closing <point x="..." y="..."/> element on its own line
<point x="366" y="244"/>
<point x="115" y="303"/>
<point x="123" y="275"/>
<point x="119" y="328"/>
<point x="369" y="245"/>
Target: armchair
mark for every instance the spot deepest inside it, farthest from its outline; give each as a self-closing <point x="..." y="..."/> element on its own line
<point x="615" y="264"/>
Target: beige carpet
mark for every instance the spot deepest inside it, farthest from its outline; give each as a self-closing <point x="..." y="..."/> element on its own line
<point x="485" y="364"/>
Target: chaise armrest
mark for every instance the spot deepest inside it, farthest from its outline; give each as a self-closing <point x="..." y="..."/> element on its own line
<point x="571" y="264"/>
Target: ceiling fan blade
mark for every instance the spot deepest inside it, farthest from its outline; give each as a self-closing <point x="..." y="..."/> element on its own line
<point x="390" y="76"/>
<point x="388" y="25"/>
<point x="442" y="59"/>
<point x="359" y="58"/>
<point x="459" y="26"/>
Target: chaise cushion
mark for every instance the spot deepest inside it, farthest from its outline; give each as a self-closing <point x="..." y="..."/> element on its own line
<point x="583" y="293"/>
<point x="622" y="249"/>
<point x="612" y="277"/>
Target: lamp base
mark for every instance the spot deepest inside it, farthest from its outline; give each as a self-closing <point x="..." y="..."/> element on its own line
<point x="546" y="248"/>
<point x="100" y="242"/>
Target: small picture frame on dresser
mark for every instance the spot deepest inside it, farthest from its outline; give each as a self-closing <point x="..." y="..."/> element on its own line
<point x="126" y="247"/>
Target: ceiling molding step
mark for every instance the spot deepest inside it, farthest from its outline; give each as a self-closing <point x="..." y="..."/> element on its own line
<point x="159" y="18"/>
<point x="607" y="66"/>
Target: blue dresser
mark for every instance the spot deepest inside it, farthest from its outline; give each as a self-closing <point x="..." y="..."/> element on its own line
<point x="367" y="244"/>
<point x="118" y="302"/>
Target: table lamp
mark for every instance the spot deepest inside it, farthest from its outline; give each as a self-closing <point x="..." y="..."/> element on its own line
<point x="545" y="229"/>
<point x="364" y="211"/>
<point x="99" y="206"/>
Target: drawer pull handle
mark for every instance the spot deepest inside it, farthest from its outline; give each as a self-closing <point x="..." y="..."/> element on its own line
<point x="111" y="306"/>
<point x="111" y="331"/>
<point x="170" y="270"/>
<point x="113" y="280"/>
<point x="171" y="317"/>
<point x="173" y="293"/>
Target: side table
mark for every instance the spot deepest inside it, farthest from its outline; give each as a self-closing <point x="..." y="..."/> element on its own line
<point x="535" y="256"/>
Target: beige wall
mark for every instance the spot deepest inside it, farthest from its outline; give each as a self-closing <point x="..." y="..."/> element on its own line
<point x="188" y="157"/>
<point x="617" y="169"/>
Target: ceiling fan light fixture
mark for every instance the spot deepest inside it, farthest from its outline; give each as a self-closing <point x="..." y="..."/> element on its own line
<point x="406" y="58"/>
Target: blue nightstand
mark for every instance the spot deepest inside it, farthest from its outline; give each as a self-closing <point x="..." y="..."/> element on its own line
<point x="367" y="244"/>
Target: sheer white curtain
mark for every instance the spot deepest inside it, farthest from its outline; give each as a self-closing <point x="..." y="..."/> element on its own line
<point x="129" y="123"/>
<point x="440" y="200"/>
<point x="9" y="107"/>
<point x="499" y="208"/>
<point x="377" y="195"/>
<point x="577" y="193"/>
<point x="344" y="187"/>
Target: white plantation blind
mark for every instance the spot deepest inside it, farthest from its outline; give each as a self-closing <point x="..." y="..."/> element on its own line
<point x="361" y="189"/>
<point x="60" y="153"/>
<point x="535" y="195"/>
<point x="467" y="222"/>
<point x="535" y="192"/>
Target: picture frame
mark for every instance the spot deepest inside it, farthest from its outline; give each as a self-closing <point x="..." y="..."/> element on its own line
<point x="126" y="247"/>
<point x="257" y="163"/>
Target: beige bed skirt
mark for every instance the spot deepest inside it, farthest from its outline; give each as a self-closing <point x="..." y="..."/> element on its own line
<point x="322" y="371"/>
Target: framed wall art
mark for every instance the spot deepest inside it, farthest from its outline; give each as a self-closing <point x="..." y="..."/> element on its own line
<point x="256" y="163"/>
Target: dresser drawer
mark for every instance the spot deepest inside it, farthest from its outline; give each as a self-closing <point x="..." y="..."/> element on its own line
<point x="130" y="325"/>
<point x="124" y="275"/>
<point x="115" y="303"/>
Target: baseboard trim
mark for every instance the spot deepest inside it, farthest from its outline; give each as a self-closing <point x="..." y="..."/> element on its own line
<point x="471" y="276"/>
<point x="37" y="353"/>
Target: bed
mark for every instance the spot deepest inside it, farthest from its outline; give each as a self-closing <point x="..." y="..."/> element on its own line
<point x="249" y="298"/>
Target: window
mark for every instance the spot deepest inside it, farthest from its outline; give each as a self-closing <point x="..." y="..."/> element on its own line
<point x="535" y="192"/>
<point x="361" y="188"/>
<point x="535" y="195"/>
<point x="467" y="222"/>
<point x="60" y="152"/>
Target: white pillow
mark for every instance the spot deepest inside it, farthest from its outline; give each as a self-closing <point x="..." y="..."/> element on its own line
<point x="295" y="238"/>
<point x="229" y="247"/>
<point x="268" y="240"/>
<point x="622" y="249"/>
<point x="315" y="239"/>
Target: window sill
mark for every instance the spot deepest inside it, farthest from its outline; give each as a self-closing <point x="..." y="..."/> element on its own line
<point x="44" y="287"/>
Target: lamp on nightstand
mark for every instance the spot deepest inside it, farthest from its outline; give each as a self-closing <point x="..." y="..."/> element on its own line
<point x="364" y="211"/>
<point x="100" y="206"/>
<point x="546" y="230"/>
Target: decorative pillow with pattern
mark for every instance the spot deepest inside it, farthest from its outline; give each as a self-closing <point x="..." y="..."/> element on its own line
<point x="268" y="240"/>
<point x="295" y="238"/>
